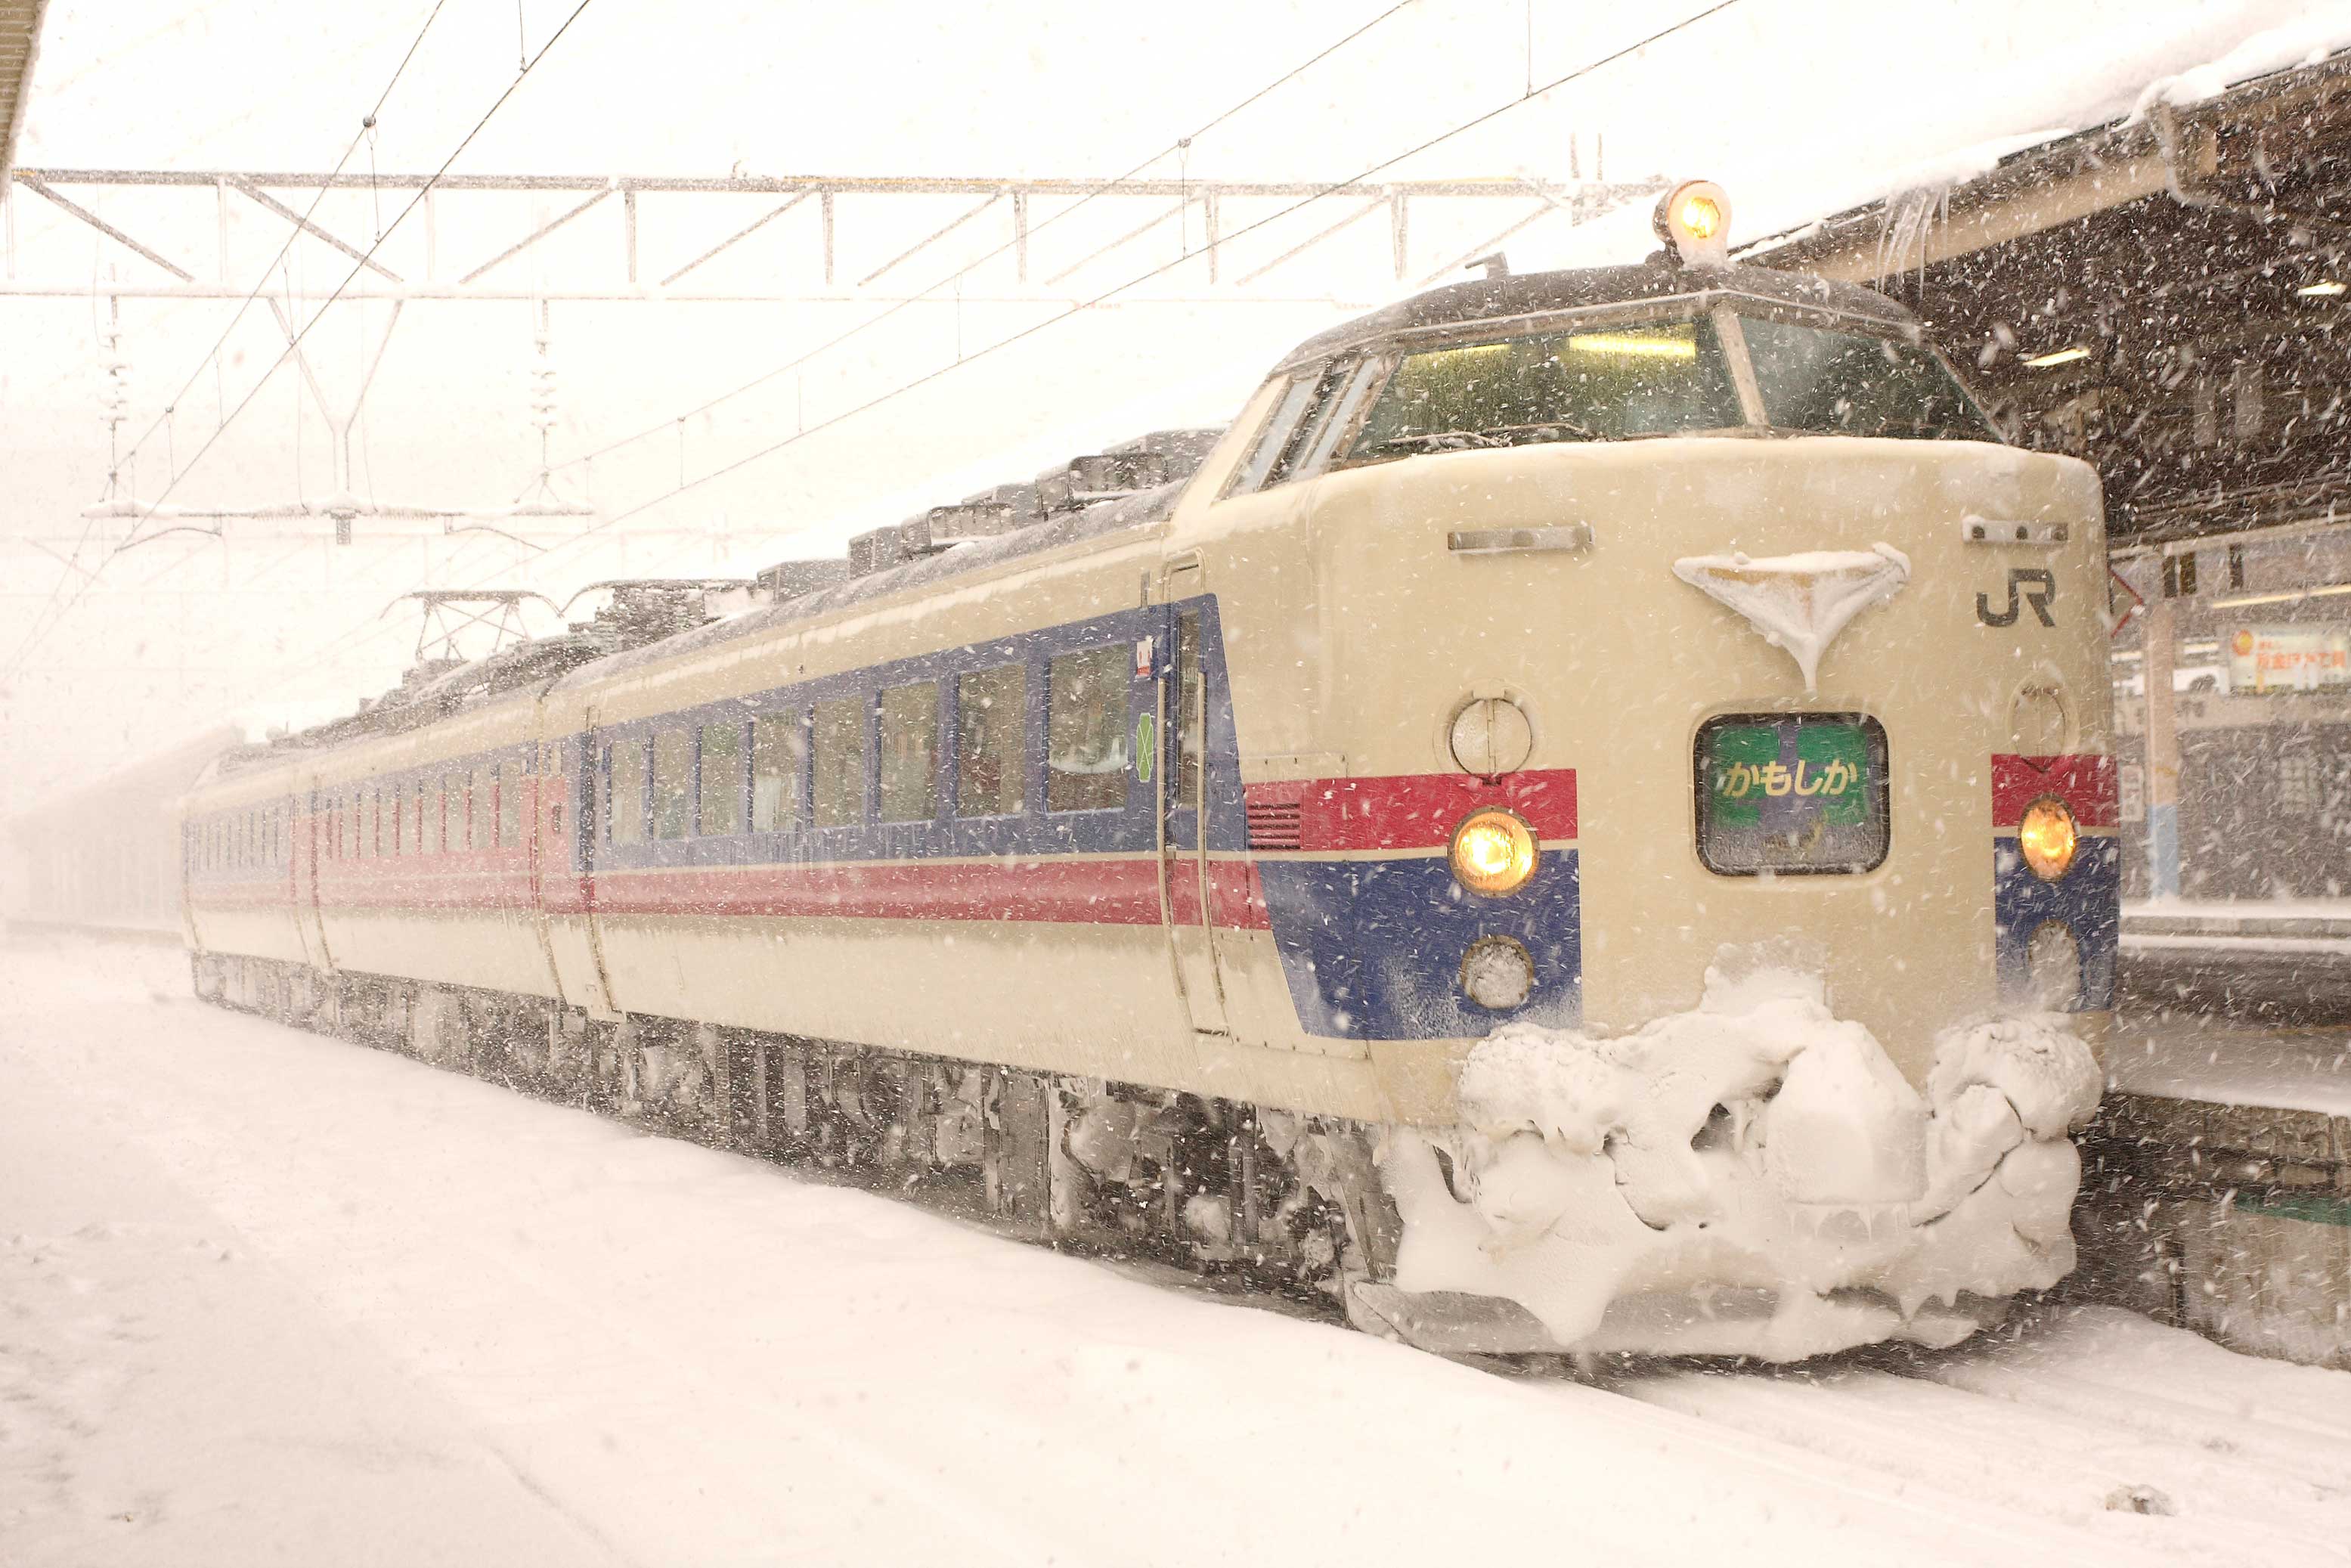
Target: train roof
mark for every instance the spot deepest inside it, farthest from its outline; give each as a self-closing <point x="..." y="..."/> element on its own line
<point x="1512" y="296"/>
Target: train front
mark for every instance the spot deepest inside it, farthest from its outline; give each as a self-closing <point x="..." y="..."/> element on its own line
<point x="1762" y="689"/>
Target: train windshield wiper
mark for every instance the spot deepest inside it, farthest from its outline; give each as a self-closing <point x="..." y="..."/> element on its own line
<point x="1491" y="435"/>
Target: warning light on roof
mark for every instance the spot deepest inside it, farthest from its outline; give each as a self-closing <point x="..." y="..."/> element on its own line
<point x="1694" y="219"/>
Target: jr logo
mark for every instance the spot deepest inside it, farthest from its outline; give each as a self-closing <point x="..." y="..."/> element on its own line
<point x="2039" y="588"/>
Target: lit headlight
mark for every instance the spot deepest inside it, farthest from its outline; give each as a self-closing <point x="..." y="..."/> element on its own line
<point x="1493" y="853"/>
<point x="2047" y="838"/>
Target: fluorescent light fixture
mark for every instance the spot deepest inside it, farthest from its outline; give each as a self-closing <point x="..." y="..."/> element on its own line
<point x="1636" y="345"/>
<point x="2059" y="357"/>
<point x="2244" y="601"/>
<point x="2326" y="290"/>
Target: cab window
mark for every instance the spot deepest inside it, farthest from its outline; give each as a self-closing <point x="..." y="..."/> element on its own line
<point x="1275" y="436"/>
<point x="1586" y="383"/>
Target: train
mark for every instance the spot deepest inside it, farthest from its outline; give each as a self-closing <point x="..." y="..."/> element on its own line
<point x="1582" y="822"/>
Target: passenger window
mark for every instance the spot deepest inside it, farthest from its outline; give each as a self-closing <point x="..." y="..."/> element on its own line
<point x="839" y="771"/>
<point x="673" y="783"/>
<point x="1191" y="718"/>
<point x="722" y="778"/>
<point x="1273" y="438"/>
<point x="910" y="753"/>
<point x="778" y="750"/>
<point x="482" y="809"/>
<point x="510" y="805"/>
<point x="453" y="811"/>
<point x="351" y="826"/>
<point x="1085" y="730"/>
<point x="625" y="764"/>
<point x="990" y="713"/>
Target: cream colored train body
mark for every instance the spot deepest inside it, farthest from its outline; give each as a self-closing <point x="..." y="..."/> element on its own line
<point x="1709" y="587"/>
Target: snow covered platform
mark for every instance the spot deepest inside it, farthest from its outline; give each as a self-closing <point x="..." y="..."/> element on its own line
<point x="2219" y="1187"/>
<point x="2276" y="960"/>
<point x="273" y="1297"/>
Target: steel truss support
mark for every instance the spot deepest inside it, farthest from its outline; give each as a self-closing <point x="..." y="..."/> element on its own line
<point x="1134" y="210"/>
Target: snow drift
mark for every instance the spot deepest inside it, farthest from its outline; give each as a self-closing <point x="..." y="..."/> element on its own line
<point x="1754" y="1177"/>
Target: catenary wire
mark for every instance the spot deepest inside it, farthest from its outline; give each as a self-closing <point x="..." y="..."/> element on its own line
<point x="89" y="580"/>
<point x="363" y="633"/>
<point x="1178" y="145"/>
<point x="212" y="355"/>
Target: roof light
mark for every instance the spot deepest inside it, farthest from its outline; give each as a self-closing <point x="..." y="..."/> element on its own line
<point x="2059" y="357"/>
<point x="1694" y="219"/>
<point x="2326" y="291"/>
<point x="1637" y="345"/>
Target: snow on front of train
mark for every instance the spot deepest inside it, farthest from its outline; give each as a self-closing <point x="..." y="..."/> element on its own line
<point x="1810" y="658"/>
<point x="1752" y="1177"/>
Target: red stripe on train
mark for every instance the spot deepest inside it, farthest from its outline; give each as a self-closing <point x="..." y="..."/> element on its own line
<point x="2086" y="784"/>
<point x="1404" y="812"/>
<point x="1122" y="892"/>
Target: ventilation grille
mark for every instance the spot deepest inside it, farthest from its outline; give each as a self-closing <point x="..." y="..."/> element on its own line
<point x="1274" y="824"/>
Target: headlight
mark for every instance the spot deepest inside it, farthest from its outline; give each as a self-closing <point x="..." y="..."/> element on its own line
<point x="2047" y="838"/>
<point x="1493" y="853"/>
<point x="1497" y="973"/>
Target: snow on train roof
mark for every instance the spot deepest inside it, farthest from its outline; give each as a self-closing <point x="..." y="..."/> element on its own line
<point x="1538" y="293"/>
<point x="1102" y="518"/>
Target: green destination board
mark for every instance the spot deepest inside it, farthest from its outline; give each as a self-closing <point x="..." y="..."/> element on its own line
<point x="1800" y="792"/>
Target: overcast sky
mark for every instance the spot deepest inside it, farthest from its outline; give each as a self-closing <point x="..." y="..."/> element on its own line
<point x="1798" y="106"/>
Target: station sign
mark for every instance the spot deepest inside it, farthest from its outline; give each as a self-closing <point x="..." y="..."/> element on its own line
<point x="2288" y="658"/>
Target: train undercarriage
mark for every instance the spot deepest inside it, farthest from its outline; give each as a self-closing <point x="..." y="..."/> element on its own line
<point x="1264" y="1200"/>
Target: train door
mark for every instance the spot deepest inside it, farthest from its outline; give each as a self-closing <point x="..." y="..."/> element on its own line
<point x="308" y="845"/>
<point x="544" y="841"/>
<point x="595" y="792"/>
<point x="1185" y="889"/>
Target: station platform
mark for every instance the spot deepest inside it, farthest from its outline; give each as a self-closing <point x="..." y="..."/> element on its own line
<point x="2217" y="1181"/>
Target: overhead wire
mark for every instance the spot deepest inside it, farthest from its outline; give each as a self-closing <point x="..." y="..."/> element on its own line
<point x="212" y="355"/>
<point x="153" y="507"/>
<point x="1178" y="148"/>
<point x="363" y="633"/>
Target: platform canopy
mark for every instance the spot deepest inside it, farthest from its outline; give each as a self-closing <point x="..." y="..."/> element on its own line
<point x="2166" y="296"/>
<point x="20" y="45"/>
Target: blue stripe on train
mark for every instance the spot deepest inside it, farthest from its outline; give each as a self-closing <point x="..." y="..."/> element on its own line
<point x="1372" y="948"/>
<point x="2088" y="899"/>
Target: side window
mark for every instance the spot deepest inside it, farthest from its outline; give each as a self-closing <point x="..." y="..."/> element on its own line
<point x="722" y="778"/>
<point x="1339" y="419"/>
<point x="1279" y="426"/>
<point x="626" y="762"/>
<point x="673" y="783"/>
<point x="482" y="809"/>
<point x="453" y="810"/>
<point x="510" y="804"/>
<point x="1085" y="730"/>
<point x="351" y="826"/>
<point x="990" y="709"/>
<point x="1293" y="463"/>
<point x="910" y="753"/>
<point x="840" y="762"/>
<point x="778" y="753"/>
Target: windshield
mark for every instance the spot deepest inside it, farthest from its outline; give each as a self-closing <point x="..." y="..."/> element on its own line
<point x="1662" y="378"/>
<point x="1844" y="383"/>
<point x="1599" y="385"/>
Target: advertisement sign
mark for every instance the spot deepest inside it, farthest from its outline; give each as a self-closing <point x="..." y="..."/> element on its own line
<point x="2288" y="658"/>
